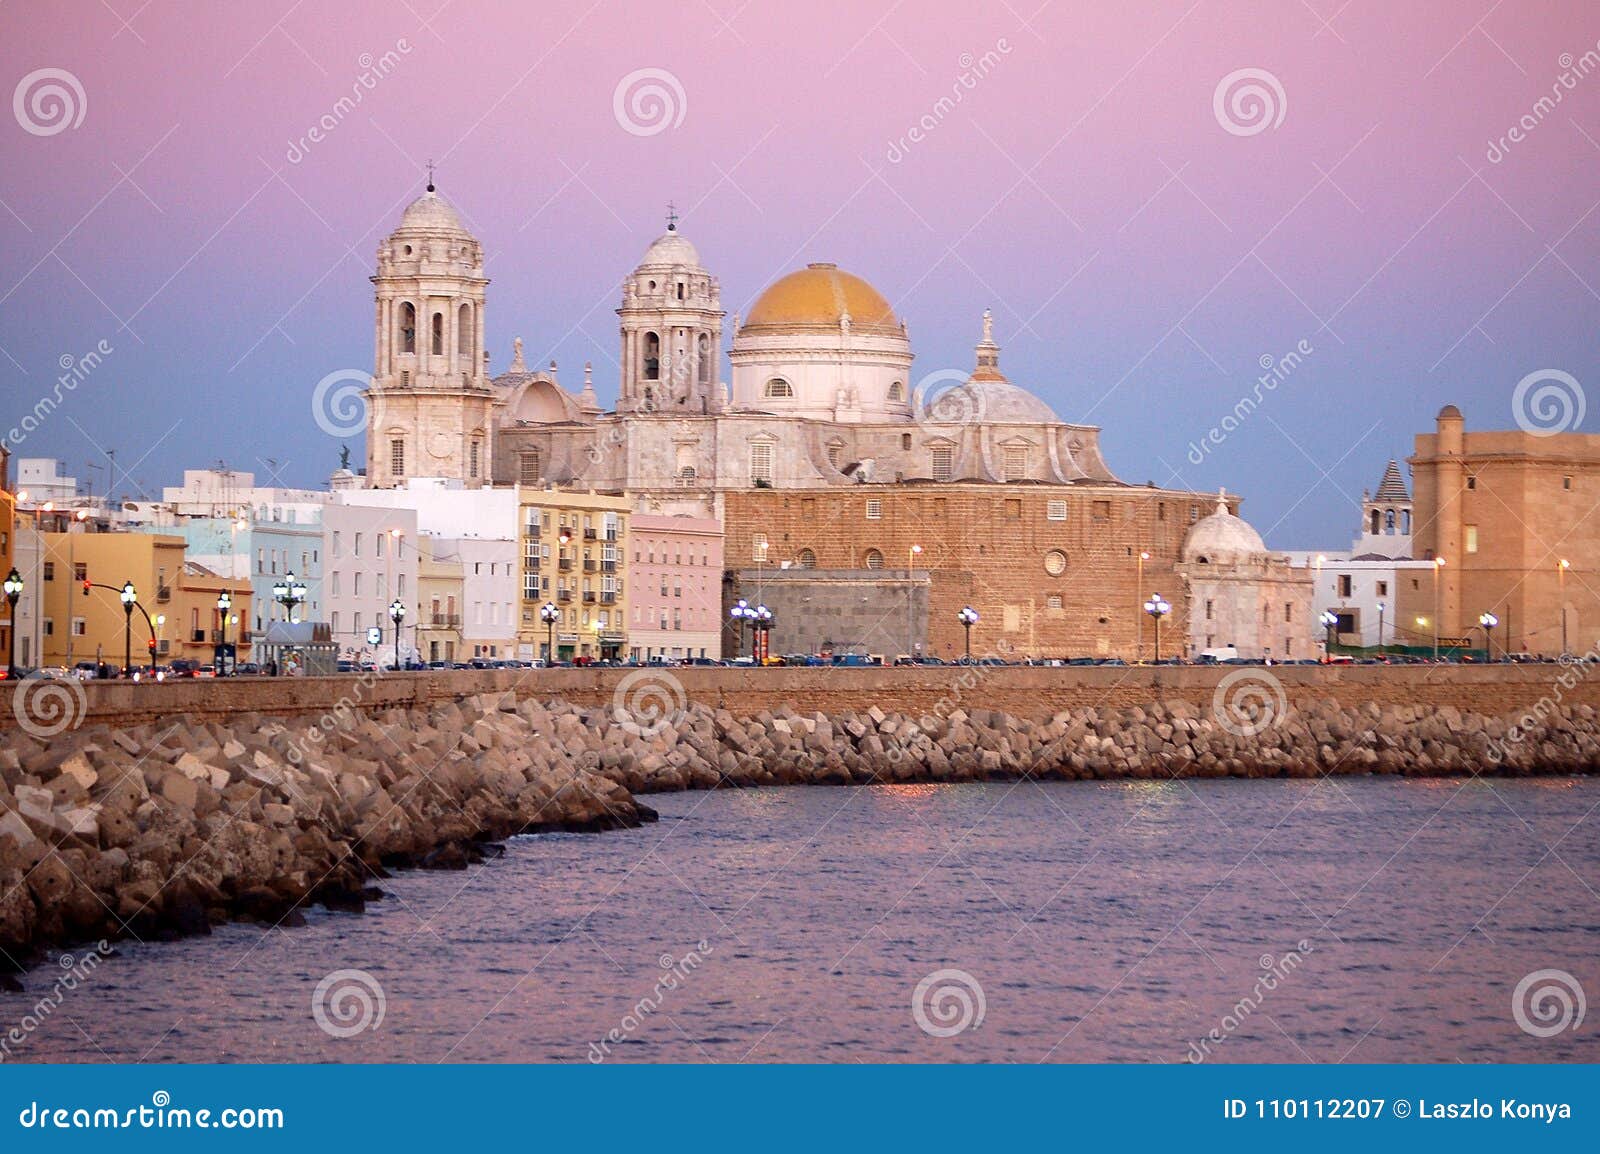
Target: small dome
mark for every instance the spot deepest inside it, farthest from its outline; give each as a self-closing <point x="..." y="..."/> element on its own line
<point x="985" y="399"/>
<point x="1449" y="413"/>
<point x="819" y="296"/>
<point x="670" y="248"/>
<point x="1222" y="538"/>
<point x="431" y="212"/>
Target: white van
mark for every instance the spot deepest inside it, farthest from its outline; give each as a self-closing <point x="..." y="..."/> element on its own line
<point x="1218" y="655"/>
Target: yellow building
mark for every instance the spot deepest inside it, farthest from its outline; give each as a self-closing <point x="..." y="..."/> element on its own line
<point x="440" y="598"/>
<point x="1512" y="520"/>
<point x="176" y="601"/>
<point x="574" y="557"/>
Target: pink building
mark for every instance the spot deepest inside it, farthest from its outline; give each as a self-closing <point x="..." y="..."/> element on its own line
<point x="674" y="587"/>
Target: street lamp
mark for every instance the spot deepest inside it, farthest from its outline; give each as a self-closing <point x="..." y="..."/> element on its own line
<point x="1438" y="564"/>
<point x="968" y="618"/>
<point x="13" y="589"/>
<point x="289" y="593"/>
<point x="741" y="612"/>
<point x="1138" y="630"/>
<point x="224" y="603"/>
<point x="397" y="614"/>
<point x="761" y="627"/>
<point x="1488" y="621"/>
<point x="1381" y="608"/>
<point x="1157" y="607"/>
<point x="1330" y="621"/>
<point x="911" y="600"/>
<point x="130" y="598"/>
<point x="549" y="614"/>
<point x="1561" y="572"/>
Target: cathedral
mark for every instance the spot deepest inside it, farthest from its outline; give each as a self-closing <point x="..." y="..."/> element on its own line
<point x="815" y="450"/>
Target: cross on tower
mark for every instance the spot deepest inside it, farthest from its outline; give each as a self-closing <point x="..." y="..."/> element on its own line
<point x="672" y="217"/>
<point x="430" y="174"/>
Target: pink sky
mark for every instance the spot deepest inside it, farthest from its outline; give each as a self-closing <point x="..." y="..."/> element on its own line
<point x="1139" y="258"/>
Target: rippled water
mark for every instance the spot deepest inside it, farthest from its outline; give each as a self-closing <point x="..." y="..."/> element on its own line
<point x="1103" y="922"/>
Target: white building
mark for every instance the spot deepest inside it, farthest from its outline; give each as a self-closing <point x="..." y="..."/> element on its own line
<point x="1243" y="596"/>
<point x="369" y="560"/>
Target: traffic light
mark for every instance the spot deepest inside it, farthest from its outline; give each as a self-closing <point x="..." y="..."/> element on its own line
<point x="86" y="584"/>
<point x="151" y="645"/>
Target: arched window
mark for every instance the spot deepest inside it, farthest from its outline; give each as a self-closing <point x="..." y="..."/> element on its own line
<point x="897" y="392"/>
<point x="806" y="559"/>
<point x="687" y="475"/>
<point x="778" y="387"/>
<point x="705" y="358"/>
<point x="1388" y="520"/>
<point x="408" y="327"/>
<point x="464" y="332"/>
<point x="438" y="334"/>
<point x="652" y="357"/>
<point x="874" y="559"/>
<point x="1374" y="520"/>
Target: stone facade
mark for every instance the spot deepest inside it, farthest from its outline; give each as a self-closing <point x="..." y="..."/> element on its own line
<point x="1502" y="510"/>
<point x="874" y="612"/>
<point x="1243" y="597"/>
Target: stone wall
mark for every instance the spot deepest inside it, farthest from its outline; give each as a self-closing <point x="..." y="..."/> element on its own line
<point x="1023" y="691"/>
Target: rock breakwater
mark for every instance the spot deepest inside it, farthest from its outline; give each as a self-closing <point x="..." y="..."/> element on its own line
<point x="169" y="829"/>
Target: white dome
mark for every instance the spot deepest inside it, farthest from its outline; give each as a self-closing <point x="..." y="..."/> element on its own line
<point x="670" y="248"/>
<point x="1222" y="538"/>
<point x="431" y="212"/>
<point x="980" y="400"/>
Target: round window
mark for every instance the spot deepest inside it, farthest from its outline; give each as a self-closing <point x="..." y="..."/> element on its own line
<point x="1055" y="562"/>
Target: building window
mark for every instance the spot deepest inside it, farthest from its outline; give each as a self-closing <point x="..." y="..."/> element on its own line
<point x="1053" y="601"/>
<point x="80" y="626"/>
<point x="874" y="559"/>
<point x="905" y="441"/>
<point x="1344" y="585"/>
<point x="897" y="392"/>
<point x="1015" y="467"/>
<point x="1055" y="511"/>
<point x="1210" y="609"/>
<point x="464" y="331"/>
<point x="438" y="334"/>
<point x="758" y="547"/>
<point x="835" y="453"/>
<point x="941" y="462"/>
<point x="761" y="462"/>
<point x="874" y="509"/>
<point x="1013" y="509"/>
<point x="1472" y="538"/>
<point x="1566" y="482"/>
<point x="358" y="544"/>
<point x="1194" y="514"/>
<point x="1288" y="611"/>
<point x="805" y="559"/>
<point x="49" y="570"/>
<point x="1102" y="510"/>
<point x="778" y="387"/>
<point x="1383" y="589"/>
<point x="472" y="465"/>
<point x="1055" y="562"/>
<point x="408" y="329"/>
<point x="529" y="467"/>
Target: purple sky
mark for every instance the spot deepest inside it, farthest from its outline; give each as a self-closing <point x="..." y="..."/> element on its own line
<point x="1140" y="259"/>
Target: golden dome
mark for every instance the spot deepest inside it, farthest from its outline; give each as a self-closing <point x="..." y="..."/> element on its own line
<point x="816" y="297"/>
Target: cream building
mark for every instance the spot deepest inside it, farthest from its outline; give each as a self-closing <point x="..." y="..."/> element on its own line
<point x="574" y="557"/>
<point x="1243" y="596"/>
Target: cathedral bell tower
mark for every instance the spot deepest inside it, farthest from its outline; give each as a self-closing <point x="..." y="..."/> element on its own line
<point x="671" y="332"/>
<point x="430" y="408"/>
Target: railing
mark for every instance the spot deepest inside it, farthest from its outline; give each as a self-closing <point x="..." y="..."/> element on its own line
<point x="589" y="535"/>
<point x="588" y="565"/>
<point x="608" y="566"/>
<point x="564" y="595"/>
<point x="608" y="598"/>
<point x="163" y="593"/>
<point x="446" y="620"/>
<point x="566" y="564"/>
<point x="530" y="563"/>
<point x="588" y="597"/>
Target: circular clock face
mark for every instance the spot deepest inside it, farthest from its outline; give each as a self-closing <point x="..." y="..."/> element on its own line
<point x="1055" y="562"/>
<point x="440" y="444"/>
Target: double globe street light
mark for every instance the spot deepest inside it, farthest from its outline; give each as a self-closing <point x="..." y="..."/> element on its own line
<point x="549" y="614"/>
<point x="224" y="604"/>
<point x="397" y="614"/>
<point x="1488" y="621"/>
<point x="289" y="592"/>
<point x="13" y="587"/>
<point x="1330" y="621"/>
<point x="1158" y="607"/>
<point x="968" y="618"/>
<point x="129" y="597"/>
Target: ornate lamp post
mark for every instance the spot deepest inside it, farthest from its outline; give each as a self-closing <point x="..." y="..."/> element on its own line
<point x="740" y="613"/>
<point x="1157" y="607"/>
<point x="968" y="617"/>
<point x="1381" y="608"/>
<point x="224" y="603"/>
<point x="289" y="592"/>
<point x="549" y="614"/>
<point x="1488" y="621"/>
<point x="397" y="614"/>
<point x="761" y="631"/>
<point x="1561" y="575"/>
<point x="1330" y="621"/>
<point x="13" y="589"/>
<point x="130" y="598"/>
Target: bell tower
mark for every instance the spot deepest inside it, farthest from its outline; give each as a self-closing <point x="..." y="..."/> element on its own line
<point x="430" y="407"/>
<point x="671" y="331"/>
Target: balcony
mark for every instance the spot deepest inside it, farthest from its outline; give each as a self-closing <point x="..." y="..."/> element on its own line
<point x="589" y="535"/>
<point x="566" y="564"/>
<point x="445" y="621"/>
<point x="163" y="594"/>
<point x="564" y="595"/>
<point x="588" y="565"/>
<point x="608" y="598"/>
<point x="608" y="566"/>
<point x="588" y="597"/>
<point x="531" y="563"/>
<point x="532" y="531"/>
